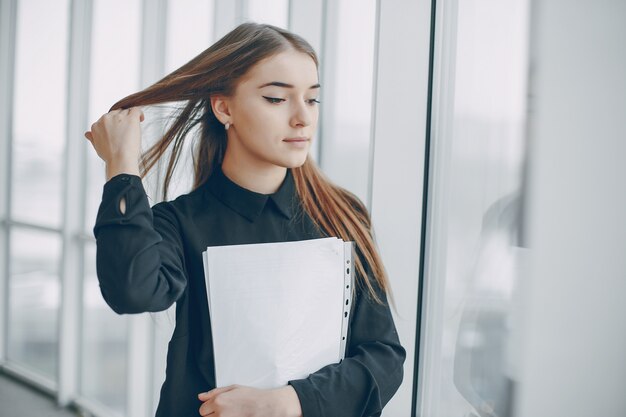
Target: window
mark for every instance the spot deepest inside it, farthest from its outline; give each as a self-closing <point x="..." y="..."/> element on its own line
<point x="347" y="79"/>
<point x="274" y="12"/>
<point x="474" y="246"/>
<point x="115" y="55"/>
<point x="34" y="298"/>
<point x="39" y="112"/>
<point x="104" y="343"/>
<point x="36" y="188"/>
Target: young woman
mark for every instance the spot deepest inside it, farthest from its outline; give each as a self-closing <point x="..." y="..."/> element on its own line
<point x="254" y="97"/>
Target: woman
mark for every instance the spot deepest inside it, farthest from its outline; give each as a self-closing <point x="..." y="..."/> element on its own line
<point x="253" y="95"/>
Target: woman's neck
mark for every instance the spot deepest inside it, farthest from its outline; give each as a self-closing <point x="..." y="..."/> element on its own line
<point x="264" y="179"/>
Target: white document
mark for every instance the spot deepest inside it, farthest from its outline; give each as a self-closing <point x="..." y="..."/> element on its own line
<point x="279" y="311"/>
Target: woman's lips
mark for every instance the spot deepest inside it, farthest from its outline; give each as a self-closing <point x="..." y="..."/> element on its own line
<point x="297" y="142"/>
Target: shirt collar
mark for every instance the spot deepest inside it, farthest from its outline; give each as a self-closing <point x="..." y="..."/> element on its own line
<point x="248" y="203"/>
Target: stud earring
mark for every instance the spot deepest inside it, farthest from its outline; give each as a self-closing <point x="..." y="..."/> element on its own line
<point x="227" y="125"/>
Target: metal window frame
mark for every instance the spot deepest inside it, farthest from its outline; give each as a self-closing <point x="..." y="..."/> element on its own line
<point x="72" y="265"/>
<point x="327" y="78"/>
<point x="328" y="161"/>
<point x="8" y="42"/>
<point x="227" y="15"/>
<point x="443" y="50"/>
<point x="8" y="14"/>
<point x="28" y="376"/>
<point x="140" y="369"/>
<point x="306" y="18"/>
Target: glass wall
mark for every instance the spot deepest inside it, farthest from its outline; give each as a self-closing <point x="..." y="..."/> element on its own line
<point x="34" y="299"/>
<point x="103" y="344"/>
<point x="114" y="73"/>
<point x="474" y="245"/>
<point x="347" y="79"/>
<point x="274" y="12"/>
<point x="39" y="111"/>
<point x="115" y="55"/>
<point x="189" y="31"/>
<point x="36" y="187"/>
<point x="111" y="349"/>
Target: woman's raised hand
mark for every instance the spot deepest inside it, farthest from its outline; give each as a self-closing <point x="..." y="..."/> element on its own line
<point x="116" y="137"/>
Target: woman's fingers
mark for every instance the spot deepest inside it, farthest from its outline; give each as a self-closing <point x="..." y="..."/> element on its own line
<point x="205" y="396"/>
<point x="89" y="136"/>
<point x="136" y="112"/>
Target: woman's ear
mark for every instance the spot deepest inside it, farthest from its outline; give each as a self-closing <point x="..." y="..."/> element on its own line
<point x="220" y="107"/>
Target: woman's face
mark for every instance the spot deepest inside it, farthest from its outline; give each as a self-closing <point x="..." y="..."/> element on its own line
<point x="274" y="111"/>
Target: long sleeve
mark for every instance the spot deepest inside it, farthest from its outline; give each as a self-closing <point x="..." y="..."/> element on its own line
<point x="369" y="375"/>
<point x="139" y="254"/>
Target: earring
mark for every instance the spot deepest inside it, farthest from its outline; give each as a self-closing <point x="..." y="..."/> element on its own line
<point x="227" y="125"/>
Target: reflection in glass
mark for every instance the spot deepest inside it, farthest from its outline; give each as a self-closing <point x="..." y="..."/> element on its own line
<point x="115" y="55"/>
<point x="476" y="251"/>
<point x="347" y="87"/>
<point x="482" y="369"/>
<point x="34" y="297"/>
<point x="39" y="111"/>
<point x="103" y="344"/>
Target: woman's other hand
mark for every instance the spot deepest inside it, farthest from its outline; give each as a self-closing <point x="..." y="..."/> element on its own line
<point x="242" y="401"/>
<point x="116" y="137"/>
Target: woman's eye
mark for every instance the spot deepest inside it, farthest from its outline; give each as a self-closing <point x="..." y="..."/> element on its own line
<point x="273" y="99"/>
<point x="313" y="101"/>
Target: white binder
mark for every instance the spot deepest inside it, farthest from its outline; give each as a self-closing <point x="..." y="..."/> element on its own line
<point x="279" y="311"/>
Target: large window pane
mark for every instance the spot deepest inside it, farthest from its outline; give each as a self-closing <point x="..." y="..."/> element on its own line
<point x="39" y="111"/>
<point x="274" y="12"/>
<point x="347" y="82"/>
<point x="475" y="247"/>
<point x="115" y="56"/>
<point x="34" y="296"/>
<point x="189" y="31"/>
<point x="104" y="342"/>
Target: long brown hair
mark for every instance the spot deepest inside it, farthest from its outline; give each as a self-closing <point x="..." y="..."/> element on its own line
<point x="217" y="70"/>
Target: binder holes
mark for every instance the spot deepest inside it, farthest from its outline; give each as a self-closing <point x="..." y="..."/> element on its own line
<point x="347" y="270"/>
<point x="344" y="338"/>
<point x="345" y="314"/>
<point x="347" y="301"/>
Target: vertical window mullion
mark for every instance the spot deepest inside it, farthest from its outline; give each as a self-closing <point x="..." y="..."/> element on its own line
<point x="8" y="14"/>
<point x="306" y="18"/>
<point x="141" y="327"/>
<point x="74" y="199"/>
<point x="347" y="77"/>
<point x="227" y="15"/>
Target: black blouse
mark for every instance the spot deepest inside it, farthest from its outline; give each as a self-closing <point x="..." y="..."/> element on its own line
<point x="149" y="258"/>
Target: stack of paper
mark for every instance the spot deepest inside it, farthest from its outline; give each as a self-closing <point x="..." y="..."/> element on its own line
<point x="279" y="311"/>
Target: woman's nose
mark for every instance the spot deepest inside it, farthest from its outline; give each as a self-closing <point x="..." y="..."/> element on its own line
<point x="302" y="115"/>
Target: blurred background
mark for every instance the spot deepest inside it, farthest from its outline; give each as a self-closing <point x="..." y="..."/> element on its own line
<point x="487" y="138"/>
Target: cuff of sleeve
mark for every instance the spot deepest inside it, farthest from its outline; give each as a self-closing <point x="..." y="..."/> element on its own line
<point x="121" y="185"/>
<point x="308" y="400"/>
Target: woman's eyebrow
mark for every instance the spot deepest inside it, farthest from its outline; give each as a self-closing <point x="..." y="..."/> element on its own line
<point x="285" y="85"/>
